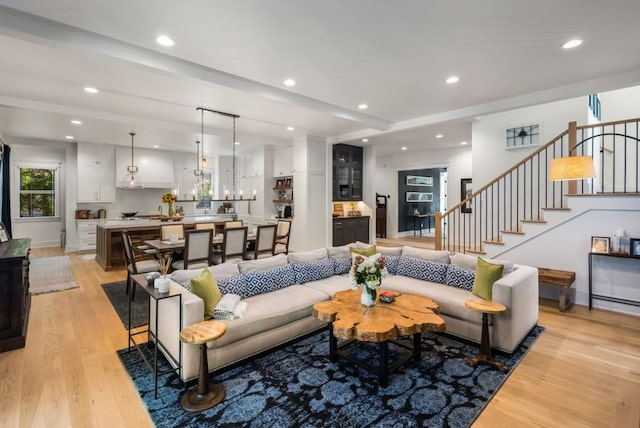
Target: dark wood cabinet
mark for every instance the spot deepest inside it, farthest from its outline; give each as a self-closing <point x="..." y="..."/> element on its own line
<point x="15" y="299"/>
<point x="350" y="229"/>
<point x="347" y="173"/>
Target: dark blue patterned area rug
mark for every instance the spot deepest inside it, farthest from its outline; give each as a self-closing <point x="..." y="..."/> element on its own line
<point x="298" y="386"/>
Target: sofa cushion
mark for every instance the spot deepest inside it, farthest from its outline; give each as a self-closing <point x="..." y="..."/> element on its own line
<point x="224" y="270"/>
<point x="469" y="262"/>
<point x="486" y="274"/>
<point x="206" y="288"/>
<point x="422" y="269"/>
<point x="391" y="262"/>
<point x="430" y="255"/>
<point x="306" y="272"/>
<point x="390" y="251"/>
<point x="269" y="280"/>
<point x="330" y="285"/>
<point x="339" y="252"/>
<point x="308" y="256"/>
<point x="234" y="284"/>
<point x="341" y="265"/>
<point x="460" y="277"/>
<point x="270" y="311"/>
<point x="261" y="265"/>
<point x="364" y="252"/>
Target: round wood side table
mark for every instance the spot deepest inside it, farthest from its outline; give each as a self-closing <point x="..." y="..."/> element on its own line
<point x="485" y="356"/>
<point x="205" y="395"/>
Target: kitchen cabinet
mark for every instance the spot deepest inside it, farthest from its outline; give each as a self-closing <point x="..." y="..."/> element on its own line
<point x="283" y="162"/>
<point x="350" y="229"/>
<point x="155" y="167"/>
<point x="86" y="234"/>
<point x="15" y="299"/>
<point x="347" y="173"/>
<point x="96" y="173"/>
<point x="251" y="164"/>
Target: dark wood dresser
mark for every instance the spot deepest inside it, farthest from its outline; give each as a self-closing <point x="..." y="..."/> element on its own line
<point x="14" y="293"/>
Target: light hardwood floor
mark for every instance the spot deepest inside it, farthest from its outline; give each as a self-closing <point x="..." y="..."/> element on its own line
<point x="583" y="371"/>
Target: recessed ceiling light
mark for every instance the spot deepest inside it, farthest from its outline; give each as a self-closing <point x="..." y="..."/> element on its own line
<point x="290" y="128"/>
<point x="91" y="90"/>
<point x="237" y="143"/>
<point x="76" y="122"/>
<point x="363" y="106"/>
<point x="69" y="137"/>
<point x="155" y="146"/>
<point x="572" y="44"/>
<point x="463" y="143"/>
<point x="165" y="41"/>
<point x="289" y="82"/>
<point x="439" y="136"/>
<point x="364" y="140"/>
<point x="404" y="148"/>
<point x="453" y="79"/>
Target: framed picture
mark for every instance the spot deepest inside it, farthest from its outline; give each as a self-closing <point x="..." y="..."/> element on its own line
<point x="287" y="182"/>
<point x="523" y="136"/>
<point x="600" y="244"/>
<point x="419" y="197"/>
<point x="279" y="183"/>
<point x="634" y="247"/>
<point x="465" y="191"/>
<point x="417" y="180"/>
<point x="4" y="236"/>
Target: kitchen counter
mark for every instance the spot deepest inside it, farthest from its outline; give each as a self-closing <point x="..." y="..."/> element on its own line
<point x="109" y="248"/>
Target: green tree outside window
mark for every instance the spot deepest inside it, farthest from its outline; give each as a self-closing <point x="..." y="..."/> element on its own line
<point x="37" y="192"/>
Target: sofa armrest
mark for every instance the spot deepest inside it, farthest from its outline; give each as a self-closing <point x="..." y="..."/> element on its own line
<point x="518" y="291"/>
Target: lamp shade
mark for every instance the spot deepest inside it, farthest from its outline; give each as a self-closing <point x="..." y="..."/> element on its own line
<point x="572" y="168"/>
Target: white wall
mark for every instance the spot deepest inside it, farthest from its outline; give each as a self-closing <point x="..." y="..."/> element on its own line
<point x="456" y="160"/>
<point x="488" y="134"/>
<point x="621" y="104"/>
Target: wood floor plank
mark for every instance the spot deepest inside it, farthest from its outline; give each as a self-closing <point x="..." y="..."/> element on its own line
<point x="584" y="370"/>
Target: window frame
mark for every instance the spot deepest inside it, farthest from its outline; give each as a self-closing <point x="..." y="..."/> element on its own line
<point x="17" y="192"/>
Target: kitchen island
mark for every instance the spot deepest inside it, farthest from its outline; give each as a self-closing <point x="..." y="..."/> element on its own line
<point x="109" y="249"/>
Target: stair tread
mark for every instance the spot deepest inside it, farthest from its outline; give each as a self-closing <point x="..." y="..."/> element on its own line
<point x="493" y="241"/>
<point x="514" y="231"/>
<point x="475" y="250"/>
<point x="533" y="220"/>
<point x="557" y="209"/>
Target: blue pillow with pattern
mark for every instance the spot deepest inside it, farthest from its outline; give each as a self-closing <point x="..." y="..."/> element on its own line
<point x="422" y="269"/>
<point x="391" y="262"/>
<point x="341" y="265"/>
<point x="269" y="280"/>
<point x="460" y="277"/>
<point x="234" y="284"/>
<point x="307" y="272"/>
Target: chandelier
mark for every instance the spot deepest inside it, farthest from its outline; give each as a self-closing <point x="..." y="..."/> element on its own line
<point x="130" y="180"/>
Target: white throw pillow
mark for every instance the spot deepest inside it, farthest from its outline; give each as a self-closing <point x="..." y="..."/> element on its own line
<point x="440" y="256"/>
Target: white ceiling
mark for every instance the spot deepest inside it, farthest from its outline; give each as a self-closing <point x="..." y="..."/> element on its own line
<point x="234" y="55"/>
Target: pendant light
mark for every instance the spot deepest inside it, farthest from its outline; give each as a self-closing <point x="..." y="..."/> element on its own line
<point x="130" y="180"/>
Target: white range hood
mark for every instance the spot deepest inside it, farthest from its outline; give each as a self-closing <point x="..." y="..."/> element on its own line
<point x="155" y="167"/>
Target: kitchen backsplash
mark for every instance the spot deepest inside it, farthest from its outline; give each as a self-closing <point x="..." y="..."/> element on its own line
<point x="144" y="201"/>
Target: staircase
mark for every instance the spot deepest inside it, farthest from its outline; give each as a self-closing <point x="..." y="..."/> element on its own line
<point x="522" y="203"/>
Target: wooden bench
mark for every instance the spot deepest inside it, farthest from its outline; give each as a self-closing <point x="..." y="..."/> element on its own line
<point x="560" y="278"/>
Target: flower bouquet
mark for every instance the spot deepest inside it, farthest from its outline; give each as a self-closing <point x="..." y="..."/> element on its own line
<point x="368" y="273"/>
<point x="169" y="198"/>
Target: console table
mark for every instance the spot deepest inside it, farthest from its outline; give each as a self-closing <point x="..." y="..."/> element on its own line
<point x="417" y="222"/>
<point x="593" y="296"/>
<point x="15" y="299"/>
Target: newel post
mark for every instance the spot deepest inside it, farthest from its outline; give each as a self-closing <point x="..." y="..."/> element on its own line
<point x="573" y="142"/>
<point x="438" y="224"/>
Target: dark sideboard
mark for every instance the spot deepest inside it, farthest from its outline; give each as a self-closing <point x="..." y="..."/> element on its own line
<point x="15" y="299"/>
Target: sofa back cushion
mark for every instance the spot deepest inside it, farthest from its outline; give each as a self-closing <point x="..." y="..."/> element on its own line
<point x="308" y="256"/>
<point x="469" y="262"/>
<point x="269" y="280"/>
<point x="184" y="276"/>
<point x="307" y="272"/>
<point x="390" y="251"/>
<point x="460" y="277"/>
<point x="261" y="265"/>
<point x="422" y="269"/>
<point x="441" y="256"/>
<point x="339" y="252"/>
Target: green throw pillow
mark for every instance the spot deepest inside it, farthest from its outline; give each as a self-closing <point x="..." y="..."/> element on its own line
<point x="486" y="274"/>
<point x="206" y="287"/>
<point x="366" y="252"/>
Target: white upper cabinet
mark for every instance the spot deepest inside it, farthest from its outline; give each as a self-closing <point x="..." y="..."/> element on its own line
<point x="155" y="167"/>
<point x="283" y="162"/>
<point x="96" y="173"/>
<point x="250" y="164"/>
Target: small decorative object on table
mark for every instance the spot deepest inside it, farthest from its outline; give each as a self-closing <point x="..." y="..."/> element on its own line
<point x="368" y="273"/>
<point x="162" y="282"/>
<point x="170" y="199"/>
<point x="387" y="296"/>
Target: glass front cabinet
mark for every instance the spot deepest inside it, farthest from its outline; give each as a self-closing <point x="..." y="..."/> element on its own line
<point x="347" y="173"/>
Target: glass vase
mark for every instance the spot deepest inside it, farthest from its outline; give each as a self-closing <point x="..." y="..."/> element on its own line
<point x="368" y="296"/>
<point x="170" y="212"/>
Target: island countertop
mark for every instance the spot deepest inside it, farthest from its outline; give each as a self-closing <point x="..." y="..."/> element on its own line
<point x="136" y="222"/>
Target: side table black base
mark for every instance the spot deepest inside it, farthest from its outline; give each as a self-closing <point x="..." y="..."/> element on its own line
<point x="192" y="401"/>
<point x="481" y="359"/>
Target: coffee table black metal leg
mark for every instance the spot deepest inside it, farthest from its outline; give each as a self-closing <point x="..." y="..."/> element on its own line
<point x="417" y="347"/>
<point x="333" y="345"/>
<point x="383" y="374"/>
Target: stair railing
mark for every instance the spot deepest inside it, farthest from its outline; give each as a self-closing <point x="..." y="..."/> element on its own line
<point x="524" y="192"/>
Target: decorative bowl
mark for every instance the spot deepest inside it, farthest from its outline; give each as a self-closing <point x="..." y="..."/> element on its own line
<point x="129" y="214"/>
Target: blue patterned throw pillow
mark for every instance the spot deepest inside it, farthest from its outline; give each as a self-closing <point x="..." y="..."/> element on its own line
<point x="341" y="265"/>
<point x="422" y="269"/>
<point x="460" y="277"/>
<point x="307" y="272"/>
<point x="391" y="262"/>
<point x="234" y="284"/>
<point x="269" y="280"/>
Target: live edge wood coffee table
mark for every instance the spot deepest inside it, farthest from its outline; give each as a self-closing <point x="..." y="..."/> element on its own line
<point x="348" y="319"/>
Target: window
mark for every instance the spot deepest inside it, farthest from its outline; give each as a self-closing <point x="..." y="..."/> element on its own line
<point x="37" y="192"/>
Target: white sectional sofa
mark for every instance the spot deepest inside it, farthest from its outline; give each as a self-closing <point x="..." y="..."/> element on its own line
<point x="280" y="292"/>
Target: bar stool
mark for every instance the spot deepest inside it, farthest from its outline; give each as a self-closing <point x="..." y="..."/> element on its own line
<point x="204" y="396"/>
